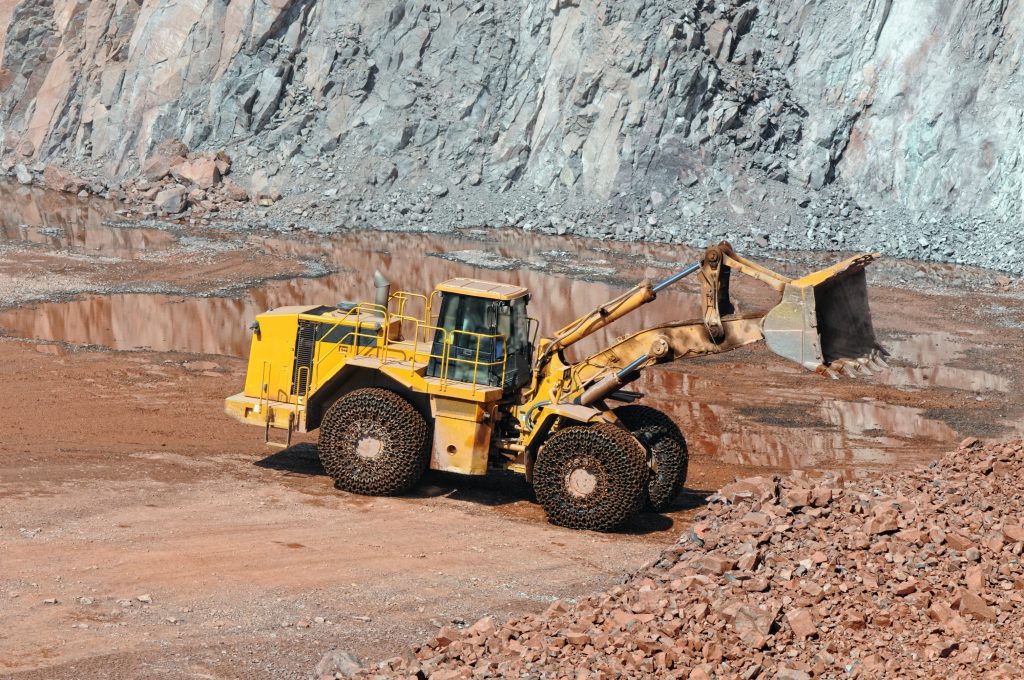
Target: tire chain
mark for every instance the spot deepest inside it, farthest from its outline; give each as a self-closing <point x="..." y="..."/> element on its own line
<point x="620" y="464"/>
<point x="403" y="432"/>
<point x="657" y="430"/>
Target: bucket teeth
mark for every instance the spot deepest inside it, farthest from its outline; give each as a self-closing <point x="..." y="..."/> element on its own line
<point x="848" y="370"/>
<point x="876" y="364"/>
<point x="852" y="368"/>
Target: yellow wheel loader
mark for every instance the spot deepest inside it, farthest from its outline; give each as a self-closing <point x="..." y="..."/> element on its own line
<point x="457" y="380"/>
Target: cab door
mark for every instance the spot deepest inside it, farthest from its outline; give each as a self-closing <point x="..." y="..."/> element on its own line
<point x="481" y="333"/>
<point x="466" y="326"/>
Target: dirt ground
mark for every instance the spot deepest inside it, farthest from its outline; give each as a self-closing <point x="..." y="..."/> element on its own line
<point x="120" y="479"/>
<point x="143" y="534"/>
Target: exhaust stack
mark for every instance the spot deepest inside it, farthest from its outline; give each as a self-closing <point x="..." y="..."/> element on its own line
<point x="382" y="290"/>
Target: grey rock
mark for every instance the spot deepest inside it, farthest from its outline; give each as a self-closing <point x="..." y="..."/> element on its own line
<point x="22" y="173"/>
<point x="172" y="201"/>
<point x="641" y="98"/>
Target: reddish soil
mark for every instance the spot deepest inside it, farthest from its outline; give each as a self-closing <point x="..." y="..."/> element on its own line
<point x="121" y="478"/>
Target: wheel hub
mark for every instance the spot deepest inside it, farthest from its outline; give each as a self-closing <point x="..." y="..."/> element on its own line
<point x="369" y="447"/>
<point x="581" y="482"/>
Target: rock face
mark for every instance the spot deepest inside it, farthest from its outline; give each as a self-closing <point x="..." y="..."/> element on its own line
<point x="898" y="106"/>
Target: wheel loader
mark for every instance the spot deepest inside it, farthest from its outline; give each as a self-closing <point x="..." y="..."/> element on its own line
<point x="457" y="380"/>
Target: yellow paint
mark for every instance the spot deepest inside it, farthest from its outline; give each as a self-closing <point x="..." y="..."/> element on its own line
<point x="602" y="316"/>
<point x="483" y="289"/>
<point x="371" y="338"/>
<point x="254" y="411"/>
<point x="271" y="354"/>
<point x="462" y="440"/>
<point x="822" y="275"/>
<point x="390" y="344"/>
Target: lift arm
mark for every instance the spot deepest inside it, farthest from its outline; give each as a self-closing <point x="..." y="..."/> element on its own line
<point x="601" y="374"/>
<point x="611" y="311"/>
<point x="822" y="322"/>
<point x="714" y="270"/>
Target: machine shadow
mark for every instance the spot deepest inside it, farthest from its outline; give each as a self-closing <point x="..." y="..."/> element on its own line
<point x="299" y="459"/>
<point x="492" y="490"/>
<point x="652" y="522"/>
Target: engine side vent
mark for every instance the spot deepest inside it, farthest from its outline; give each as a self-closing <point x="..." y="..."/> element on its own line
<point x="305" y="348"/>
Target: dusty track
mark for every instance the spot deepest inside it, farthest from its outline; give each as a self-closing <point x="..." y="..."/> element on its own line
<point x="119" y="479"/>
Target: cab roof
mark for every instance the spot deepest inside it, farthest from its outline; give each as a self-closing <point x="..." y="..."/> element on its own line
<point x="485" y="289"/>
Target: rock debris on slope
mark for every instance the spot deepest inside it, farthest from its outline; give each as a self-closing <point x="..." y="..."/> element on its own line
<point x="829" y="125"/>
<point x="900" y="575"/>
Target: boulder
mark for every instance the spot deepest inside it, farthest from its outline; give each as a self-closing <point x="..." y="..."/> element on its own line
<point x="60" y="179"/>
<point x="165" y="157"/>
<point x="223" y="162"/>
<point x="22" y="173"/>
<point x="173" y="200"/>
<point x="338" y="662"/>
<point x="260" y="183"/>
<point x="202" y="172"/>
<point x="159" y="166"/>
<point x="235" y="192"/>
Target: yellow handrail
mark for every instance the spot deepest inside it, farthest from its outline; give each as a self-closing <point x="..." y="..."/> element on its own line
<point x="480" y="337"/>
<point x="265" y="375"/>
<point x="383" y="346"/>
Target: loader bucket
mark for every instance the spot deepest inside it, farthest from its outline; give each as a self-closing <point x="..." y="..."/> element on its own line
<point x="823" y="321"/>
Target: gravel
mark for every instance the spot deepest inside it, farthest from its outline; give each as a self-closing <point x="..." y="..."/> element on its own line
<point x="804" y="576"/>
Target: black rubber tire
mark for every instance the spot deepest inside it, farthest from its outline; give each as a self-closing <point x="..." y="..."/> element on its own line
<point x="374" y="442"/>
<point x="666" y="448"/>
<point x="617" y="467"/>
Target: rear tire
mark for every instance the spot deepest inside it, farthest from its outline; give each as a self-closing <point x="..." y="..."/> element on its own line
<point x="667" y="450"/>
<point x="590" y="477"/>
<point x="374" y="442"/>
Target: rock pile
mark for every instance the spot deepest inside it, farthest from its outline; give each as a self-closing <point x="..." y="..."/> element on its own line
<point x="904" y="575"/>
<point x="173" y="179"/>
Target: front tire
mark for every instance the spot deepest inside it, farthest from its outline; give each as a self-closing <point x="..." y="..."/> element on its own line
<point x="590" y="477"/>
<point x="668" y="453"/>
<point x="374" y="442"/>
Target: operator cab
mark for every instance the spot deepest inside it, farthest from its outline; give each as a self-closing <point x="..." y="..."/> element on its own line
<point x="480" y="323"/>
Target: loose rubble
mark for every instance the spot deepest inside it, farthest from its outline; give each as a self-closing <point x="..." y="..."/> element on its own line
<point x="806" y="576"/>
<point x="172" y="181"/>
<point x="175" y="179"/>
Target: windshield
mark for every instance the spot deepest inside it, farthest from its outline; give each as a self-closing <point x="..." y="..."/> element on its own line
<point x="514" y="325"/>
